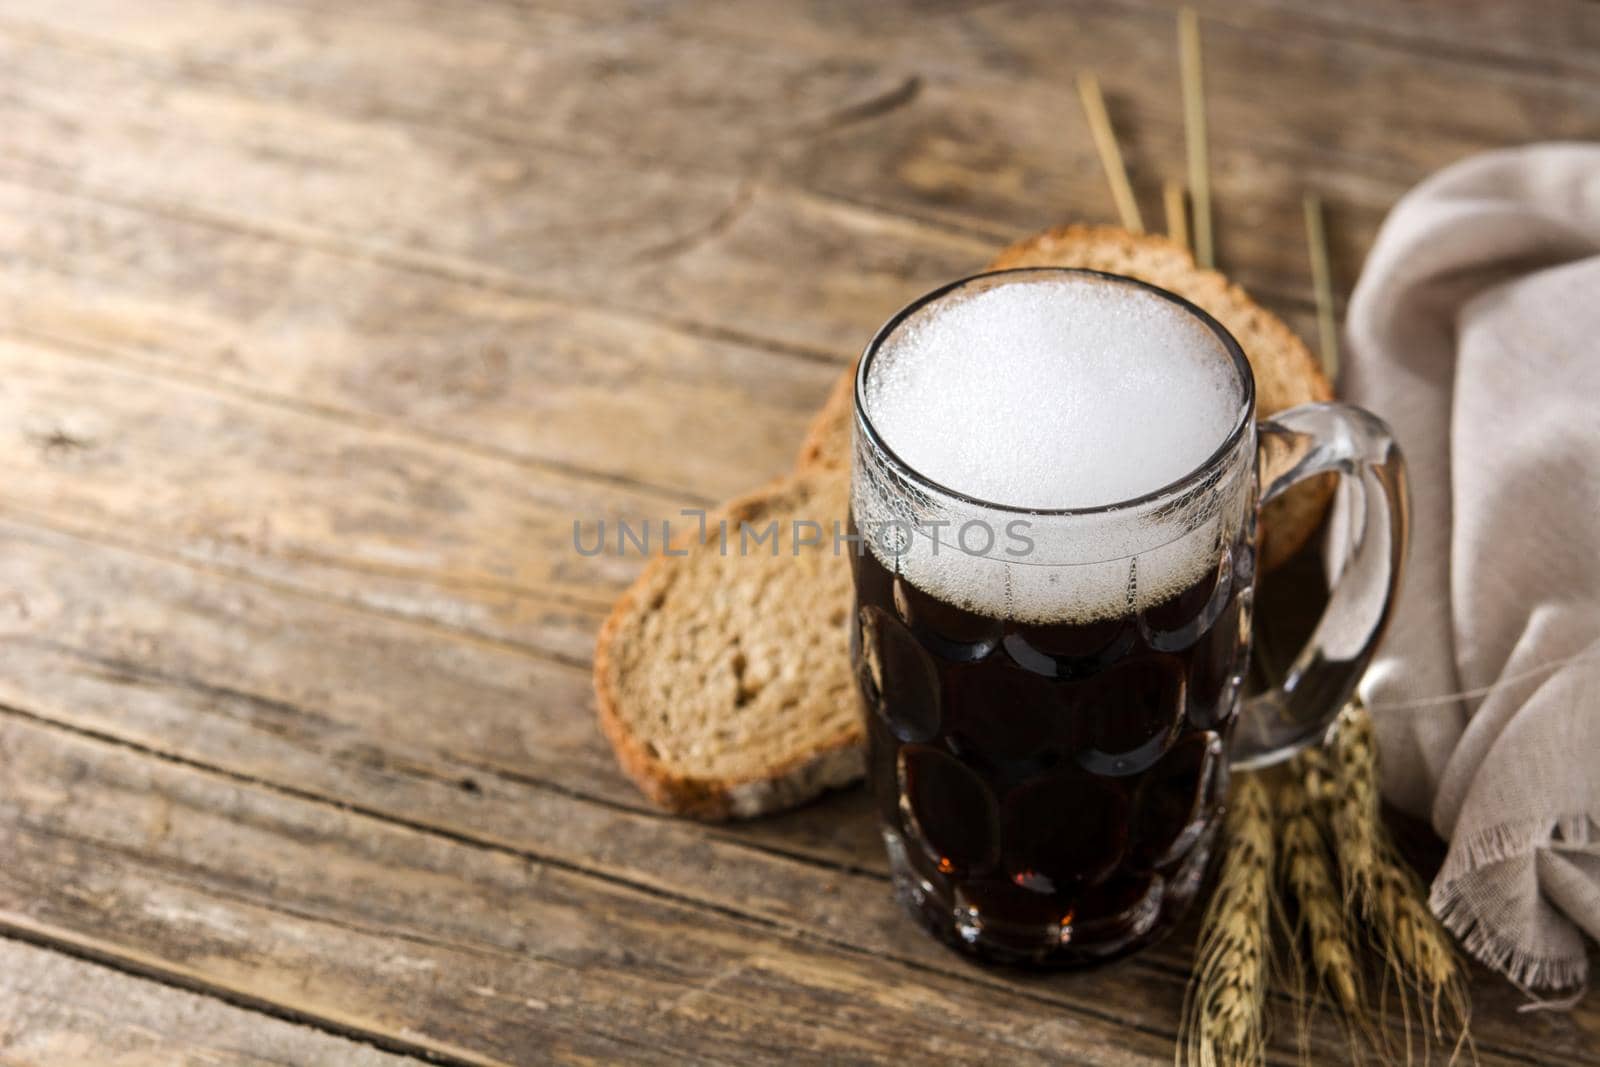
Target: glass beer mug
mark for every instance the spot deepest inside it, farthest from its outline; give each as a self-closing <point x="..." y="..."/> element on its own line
<point x="1056" y="481"/>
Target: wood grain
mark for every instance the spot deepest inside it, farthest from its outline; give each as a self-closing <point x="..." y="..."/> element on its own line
<point x="984" y="151"/>
<point x="512" y="375"/>
<point x="319" y="324"/>
<point x="472" y="954"/>
<point x="366" y="515"/>
<point x="891" y="256"/>
<point x="57" y="1010"/>
<point x="463" y="204"/>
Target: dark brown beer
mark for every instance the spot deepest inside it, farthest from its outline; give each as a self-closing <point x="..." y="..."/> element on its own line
<point x="1049" y="792"/>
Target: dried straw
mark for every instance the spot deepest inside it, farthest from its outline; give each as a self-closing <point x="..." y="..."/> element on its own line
<point x="1194" y="131"/>
<point x="1417" y="951"/>
<point x="1306" y="873"/>
<point x="1105" y="143"/>
<point x="1322" y="286"/>
<point x="1223" y="1014"/>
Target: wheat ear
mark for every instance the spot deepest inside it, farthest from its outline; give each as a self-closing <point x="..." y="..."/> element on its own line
<point x="1417" y="951"/>
<point x="1223" y="1016"/>
<point x="1307" y="874"/>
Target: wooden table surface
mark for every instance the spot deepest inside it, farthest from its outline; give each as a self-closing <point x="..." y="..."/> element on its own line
<point x="320" y="323"/>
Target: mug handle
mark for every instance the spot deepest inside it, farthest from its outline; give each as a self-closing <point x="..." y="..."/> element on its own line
<point x="1372" y="519"/>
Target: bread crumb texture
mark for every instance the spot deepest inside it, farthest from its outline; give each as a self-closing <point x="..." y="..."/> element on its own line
<point x="724" y="676"/>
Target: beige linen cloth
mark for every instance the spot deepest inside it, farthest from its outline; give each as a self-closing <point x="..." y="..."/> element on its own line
<point x="1475" y="331"/>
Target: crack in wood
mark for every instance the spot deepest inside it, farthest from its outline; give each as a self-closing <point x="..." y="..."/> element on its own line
<point x="743" y="196"/>
<point x="125" y="672"/>
<point x="58" y="441"/>
<point x="140" y="362"/>
<point x="415" y="259"/>
<point x="54" y="524"/>
<point x="466" y="272"/>
<point x="152" y="971"/>
<point x="789" y="931"/>
<point x="895" y="97"/>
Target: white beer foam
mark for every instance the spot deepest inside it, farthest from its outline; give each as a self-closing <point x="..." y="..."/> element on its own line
<point x="1054" y="394"/>
<point x="1073" y="392"/>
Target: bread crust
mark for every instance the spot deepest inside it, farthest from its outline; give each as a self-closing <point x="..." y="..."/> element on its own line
<point x="835" y="761"/>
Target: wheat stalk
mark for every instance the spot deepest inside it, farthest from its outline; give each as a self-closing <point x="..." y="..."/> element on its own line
<point x="1307" y="874"/>
<point x="1194" y="131"/>
<point x="1322" y="287"/>
<point x="1417" y="951"/>
<point x="1223" y="1015"/>
<point x="1105" y="143"/>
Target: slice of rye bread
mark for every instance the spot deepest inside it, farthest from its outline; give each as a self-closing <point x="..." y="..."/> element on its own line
<point x="1285" y="371"/>
<point x="723" y="680"/>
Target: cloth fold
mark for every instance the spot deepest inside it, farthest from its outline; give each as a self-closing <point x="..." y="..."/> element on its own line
<point x="1475" y="332"/>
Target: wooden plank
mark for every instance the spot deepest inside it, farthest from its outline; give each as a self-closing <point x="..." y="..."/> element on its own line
<point x="388" y="714"/>
<point x="514" y="375"/>
<point x="273" y="680"/>
<point x="743" y="97"/>
<point x="1289" y="111"/>
<point x="360" y="514"/>
<point x="989" y="156"/>
<point x="1534" y="46"/>
<point x="982" y="148"/>
<point x="275" y="315"/>
<point x="1031" y="50"/>
<point x="502" y="371"/>
<point x="1548" y="38"/>
<point x="1544" y="36"/>
<point x="1001" y="146"/>
<point x="381" y="718"/>
<point x="377" y="728"/>
<point x="567" y="78"/>
<point x="57" y="1010"/>
<point x="720" y="251"/>
<point x="480" y="956"/>
<point x="985" y="151"/>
